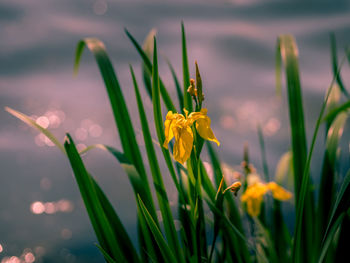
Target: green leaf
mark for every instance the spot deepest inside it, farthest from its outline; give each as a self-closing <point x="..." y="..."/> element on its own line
<point x="327" y="187"/>
<point x="233" y="212"/>
<point x="186" y="71"/>
<point x="333" y="113"/>
<point x="335" y="68"/>
<point x="163" y="246"/>
<point x="30" y="122"/>
<point x="148" y="65"/>
<point x="120" y="112"/>
<point x="263" y="154"/>
<point x="341" y="204"/>
<point x="287" y="52"/>
<point x="330" y="235"/>
<point x="284" y="170"/>
<point x="158" y="119"/>
<point x="179" y="92"/>
<point x="164" y="206"/>
<point x="94" y="207"/>
<point x="108" y="258"/>
<point x="148" y="49"/>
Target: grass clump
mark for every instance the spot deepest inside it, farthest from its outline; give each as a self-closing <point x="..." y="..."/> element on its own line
<point x="245" y="227"/>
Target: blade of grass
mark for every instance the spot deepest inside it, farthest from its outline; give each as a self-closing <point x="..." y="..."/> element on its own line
<point x="263" y="153"/>
<point x="120" y="112"/>
<point x="179" y="92"/>
<point x="148" y="65"/>
<point x="306" y="173"/>
<point x="158" y="119"/>
<point x="341" y="204"/>
<point x="148" y="49"/>
<point x="186" y="71"/>
<point x="164" y="206"/>
<point x="147" y="247"/>
<point x="284" y="170"/>
<point x="330" y="236"/>
<point x="287" y="52"/>
<point x="108" y="258"/>
<point x="30" y="122"/>
<point x="334" y="58"/>
<point x="333" y="113"/>
<point x="233" y="212"/>
<point x="163" y="246"/>
<point x="327" y="186"/>
<point x="102" y="227"/>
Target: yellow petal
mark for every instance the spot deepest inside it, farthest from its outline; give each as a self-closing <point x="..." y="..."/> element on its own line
<point x="253" y="197"/>
<point x="204" y="130"/>
<point x="183" y="144"/>
<point x="170" y="122"/>
<point x="203" y="125"/>
<point x="254" y="206"/>
<point x="168" y="129"/>
<point x="279" y="192"/>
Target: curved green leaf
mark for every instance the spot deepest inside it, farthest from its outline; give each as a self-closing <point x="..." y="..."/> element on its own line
<point x="163" y="246"/>
<point x="148" y="65"/>
<point x="30" y="122"/>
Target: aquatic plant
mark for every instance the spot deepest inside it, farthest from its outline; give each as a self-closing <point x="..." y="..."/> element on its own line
<point x="248" y="228"/>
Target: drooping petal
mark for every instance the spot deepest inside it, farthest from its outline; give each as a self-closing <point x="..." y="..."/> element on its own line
<point x="204" y="130"/>
<point x="183" y="144"/>
<point x="168" y="129"/>
<point x="203" y="125"/>
<point x="279" y="192"/>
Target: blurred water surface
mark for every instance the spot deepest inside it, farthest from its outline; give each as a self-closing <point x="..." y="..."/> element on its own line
<point x="42" y="217"/>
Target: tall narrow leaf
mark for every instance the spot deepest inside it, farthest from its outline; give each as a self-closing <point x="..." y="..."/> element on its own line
<point x="186" y="71"/>
<point x="335" y="68"/>
<point x="163" y="246"/>
<point x="148" y="65"/>
<point x="163" y="201"/>
<point x="102" y="227"/>
<point x="120" y="112"/>
<point x="287" y="53"/>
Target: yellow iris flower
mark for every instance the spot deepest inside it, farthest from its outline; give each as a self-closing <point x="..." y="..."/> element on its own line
<point x="253" y="195"/>
<point x="179" y="126"/>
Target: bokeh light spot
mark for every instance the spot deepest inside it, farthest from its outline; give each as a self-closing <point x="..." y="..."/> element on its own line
<point x="37" y="208"/>
<point x="95" y="130"/>
<point x="100" y="7"/>
<point x="43" y="121"/>
<point x="66" y="233"/>
<point x="50" y="208"/>
<point x="81" y="134"/>
<point x="29" y="257"/>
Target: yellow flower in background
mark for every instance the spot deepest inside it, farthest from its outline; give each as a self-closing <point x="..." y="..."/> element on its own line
<point x="279" y="192"/>
<point x="179" y="126"/>
<point x="253" y="196"/>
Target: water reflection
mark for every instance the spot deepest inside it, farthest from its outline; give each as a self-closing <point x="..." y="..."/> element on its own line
<point x="62" y="205"/>
<point x="26" y="257"/>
